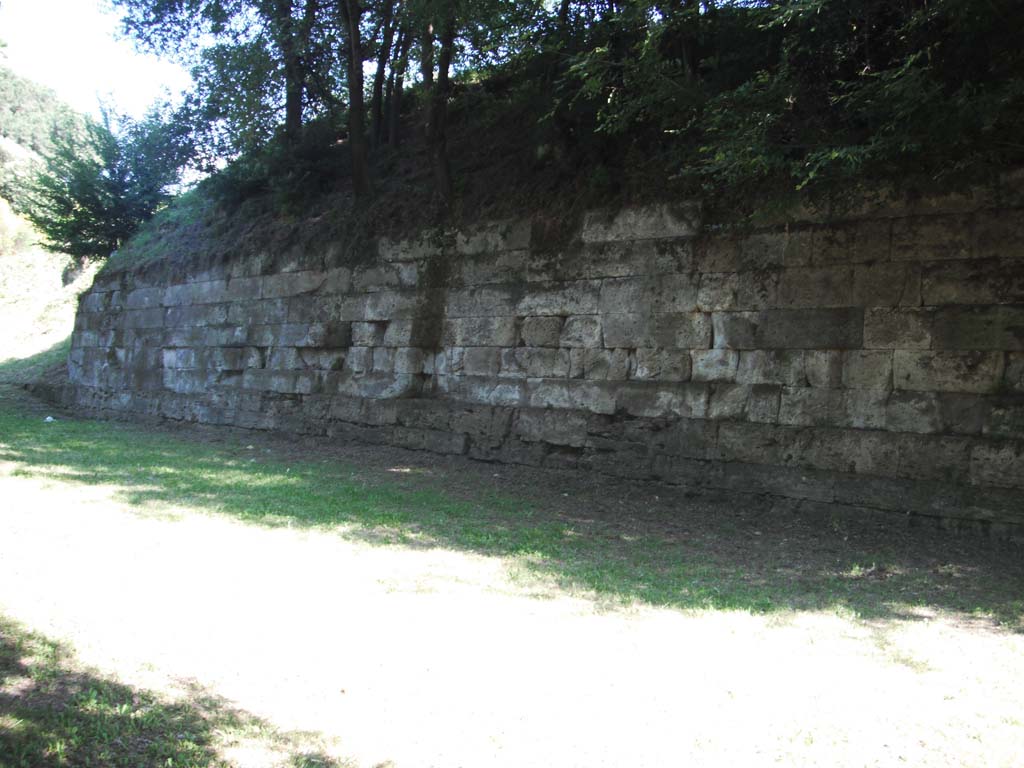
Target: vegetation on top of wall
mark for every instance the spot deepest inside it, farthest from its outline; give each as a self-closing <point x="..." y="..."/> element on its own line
<point x="407" y="112"/>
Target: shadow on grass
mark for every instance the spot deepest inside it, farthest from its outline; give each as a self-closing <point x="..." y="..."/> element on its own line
<point x="55" y="713"/>
<point x="621" y="542"/>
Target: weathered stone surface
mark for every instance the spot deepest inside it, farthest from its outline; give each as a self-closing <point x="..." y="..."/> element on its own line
<point x="788" y="329"/>
<point x="932" y="238"/>
<point x="715" y="364"/>
<point x="947" y="371"/>
<point x="544" y="331"/>
<point x="876" y="362"/>
<point x="581" y="331"/>
<point x="652" y="222"/>
<point x="867" y="369"/>
<point x="898" y="328"/>
<point x="967" y="328"/>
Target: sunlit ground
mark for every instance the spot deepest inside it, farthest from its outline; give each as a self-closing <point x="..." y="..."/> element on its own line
<point x="219" y="588"/>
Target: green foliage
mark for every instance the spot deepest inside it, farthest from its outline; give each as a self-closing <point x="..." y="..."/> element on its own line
<point x="92" y="195"/>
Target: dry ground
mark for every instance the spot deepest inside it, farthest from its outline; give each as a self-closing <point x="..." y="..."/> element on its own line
<point x="364" y="643"/>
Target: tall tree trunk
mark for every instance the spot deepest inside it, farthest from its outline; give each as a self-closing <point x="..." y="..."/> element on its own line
<point x="293" y="77"/>
<point x="437" y="130"/>
<point x="351" y="12"/>
<point x="383" y="57"/>
<point x="397" y="86"/>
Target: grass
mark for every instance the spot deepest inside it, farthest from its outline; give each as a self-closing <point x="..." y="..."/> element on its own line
<point x="730" y="553"/>
<point x="55" y="712"/>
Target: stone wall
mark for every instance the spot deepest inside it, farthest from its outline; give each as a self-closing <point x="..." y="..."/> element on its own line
<point x="875" y="360"/>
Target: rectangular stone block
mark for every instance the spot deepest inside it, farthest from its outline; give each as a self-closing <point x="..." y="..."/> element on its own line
<point x="143" y="318"/>
<point x="847" y="450"/>
<point x="655" y="400"/>
<point x="479" y="332"/>
<point x="898" y="328"/>
<point x="790" y="329"/>
<point x="605" y="364"/>
<point x="754" y="252"/>
<point x="480" y="301"/>
<point x="543" y="331"/>
<point x="384" y="360"/>
<point x="692" y="438"/>
<point x="963" y="414"/>
<point x="628" y="331"/>
<point x="368" y="334"/>
<point x="887" y="285"/>
<point x="930" y="457"/>
<point x="681" y="331"/>
<point x="1005" y="418"/>
<point x="558" y="427"/>
<point x="660" y="364"/>
<point x="263" y="312"/>
<point x="582" y="331"/>
<point x="932" y="238"/>
<point x="728" y="400"/>
<point x="947" y="371"/>
<point x="408" y="360"/>
<point x="755" y="443"/>
<point x="494" y="237"/>
<point x="867" y="369"/>
<point x="784" y="366"/>
<point x="989" y="281"/>
<point x="291" y="284"/>
<point x="999" y="234"/>
<point x="807" y="406"/>
<point x="859" y="408"/>
<point x="389" y="305"/>
<point x="996" y="328"/>
<point x="763" y="403"/>
<point x="483" y="361"/>
<point x="817" y="287"/>
<point x="858" y="242"/>
<point x="1014" y="376"/>
<point x="824" y="368"/>
<point x="576" y="298"/>
<point x="913" y="412"/>
<point x="201" y="315"/>
<point x="144" y="298"/>
<point x="581" y="395"/>
<point x="715" y="364"/>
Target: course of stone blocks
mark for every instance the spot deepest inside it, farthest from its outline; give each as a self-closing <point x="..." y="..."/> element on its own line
<point x="874" y="360"/>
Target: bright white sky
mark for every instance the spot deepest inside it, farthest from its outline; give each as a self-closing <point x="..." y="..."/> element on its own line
<point x="75" y="47"/>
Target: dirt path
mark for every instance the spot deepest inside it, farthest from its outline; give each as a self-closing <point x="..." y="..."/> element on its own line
<point x="437" y="657"/>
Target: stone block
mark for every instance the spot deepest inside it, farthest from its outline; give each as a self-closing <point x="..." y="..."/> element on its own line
<point x="582" y="331"/>
<point x="408" y="360"/>
<point x="426" y="246"/>
<point x="680" y="220"/>
<point x="143" y="318"/>
<point x="388" y="305"/>
<point x="999" y="234"/>
<point x="771" y="366"/>
<point x="932" y="238"/>
<point x="807" y="406"/>
<point x="605" y="364"/>
<point x="400" y="333"/>
<point x="661" y="364"/>
<point x="913" y="412"/>
<point x="628" y="331"/>
<point x="963" y="414"/>
<point x="990" y="281"/>
<point x="384" y="360"/>
<point x="337" y="280"/>
<point x="858" y="242"/>
<point x="947" y="371"/>
<point x="728" y="400"/>
<point x="715" y="364"/>
<point x="887" y="285"/>
<point x="543" y="362"/>
<point x="201" y="315"/>
<point x="359" y="359"/>
<point x="581" y="297"/>
<point x="754" y="252"/>
<point x="867" y="369"/>
<point x="591" y="396"/>
<point x="654" y="400"/>
<point x="558" y="427"/>
<point x="692" y="438"/>
<point x="144" y="298"/>
<point x="484" y="361"/>
<point x="368" y="334"/>
<point x="824" y="368"/>
<point x="859" y="408"/>
<point x="847" y="450"/>
<point x="817" y="287"/>
<point x="480" y="301"/>
<point x="263" y="312"/>
<point x="931" y="457"/>
<point x="479" y="332"/>
<point x="291" y="284"/>
<point x="377" y="277"/>
<point x="790" y="329"/>
<point x="687" y="331"/>
<point x="898" y="328"/>
<point x="284" y="359"/>
<point x="996" y="328"/>
<point x="1013" y="379"/>
<point x="763" y="403"/>
<point x="543" y="331"/>
<point x="1005" y="418"/>
<point x="755" y="443"/>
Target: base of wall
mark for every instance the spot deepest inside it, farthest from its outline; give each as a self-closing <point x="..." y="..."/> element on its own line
<point x="637" y="449"/>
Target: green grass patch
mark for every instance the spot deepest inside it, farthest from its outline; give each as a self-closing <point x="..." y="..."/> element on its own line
<point x="702" y="557"/>
<point x="31" y="369"/>
<point x="55" y="712"/>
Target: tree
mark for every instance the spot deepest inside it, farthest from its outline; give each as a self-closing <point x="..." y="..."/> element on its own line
<point x="93" y="194"/>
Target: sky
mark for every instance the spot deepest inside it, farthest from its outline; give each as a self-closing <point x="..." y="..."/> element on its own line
<point x="75" y="48"/>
